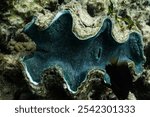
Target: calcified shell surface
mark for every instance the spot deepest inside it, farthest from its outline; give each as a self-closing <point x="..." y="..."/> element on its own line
<point x="58" y="46"/>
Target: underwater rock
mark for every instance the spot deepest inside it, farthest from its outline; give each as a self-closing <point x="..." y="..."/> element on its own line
<point x="95" y="8"/>
<point x="147" y="51"/>
<point x="16" y="47"/>
<point x="27" y="8"/>
<point x="20" y="44"/>
<point x="9" y="84"/>
<point x="131" y="96"/>
<point x="138" y="13"/>
<point x="141" y="87"/>
<point x="84" y="26"/>
<point x="88" y="17"/>
<point x="43" y="19"/>
<point x="76" y="56"/>
<point x="51" y="5"/>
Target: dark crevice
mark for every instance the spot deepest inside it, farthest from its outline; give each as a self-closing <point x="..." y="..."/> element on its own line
<point x="147" y="51"/>
<point x="60" y="1"/>
<point x="26" y="94"/>
<point x="121" y="80"/>
<point x="99" y="53"/>
<point x="141" y="88"/>
<point x="90" y="11"/>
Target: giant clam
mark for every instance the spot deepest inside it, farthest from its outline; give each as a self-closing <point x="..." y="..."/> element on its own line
<point x="76" y="47"/>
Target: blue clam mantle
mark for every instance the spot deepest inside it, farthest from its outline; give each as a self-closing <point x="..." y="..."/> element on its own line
<point x="58" y="46"/>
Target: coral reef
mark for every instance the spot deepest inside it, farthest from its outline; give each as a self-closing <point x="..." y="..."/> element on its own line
<point x="87" y="24"/>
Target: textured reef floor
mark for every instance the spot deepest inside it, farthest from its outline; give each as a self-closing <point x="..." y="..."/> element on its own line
<point x="75" y="49"/>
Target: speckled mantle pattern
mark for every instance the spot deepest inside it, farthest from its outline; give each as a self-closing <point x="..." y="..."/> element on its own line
<point x="58" y="47"/>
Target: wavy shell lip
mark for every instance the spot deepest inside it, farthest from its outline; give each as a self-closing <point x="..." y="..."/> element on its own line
<point x="83" y="25"/>
<point x="95" y="47"/>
